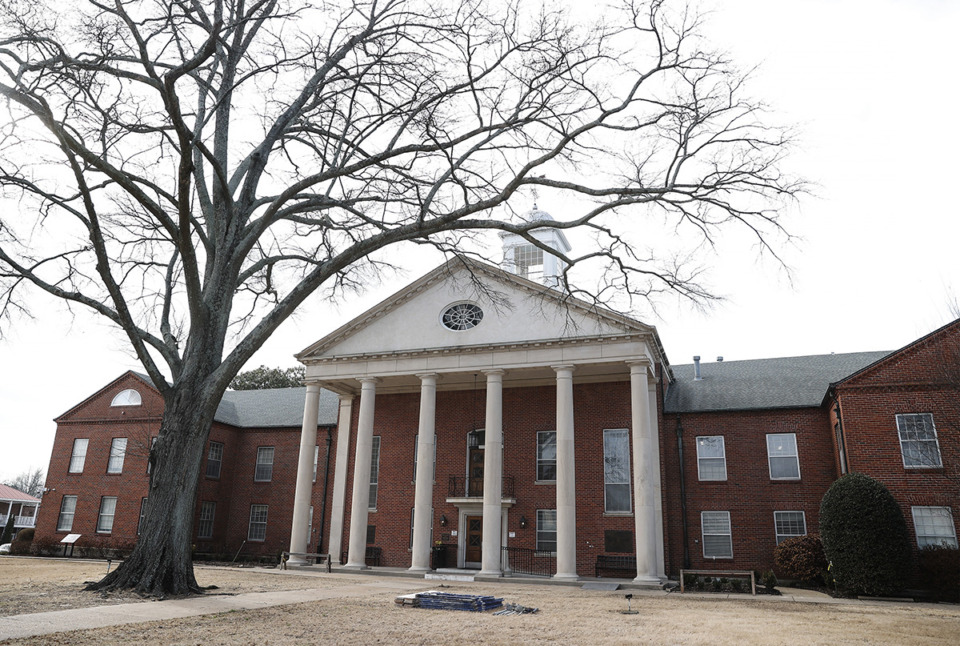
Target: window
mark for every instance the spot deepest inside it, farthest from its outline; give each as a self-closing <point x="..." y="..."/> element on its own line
<point x="462" y="316"/>
<point x="934" y="526"/>
<point x="371" y="534"/>
<point x="258" y="523"/>
<point x="711" y="457"/>
<point x="528" y="260"/>
<point x="143" y="513"/>
<point x="264" y="472"/>
<point x="208" y="511"/>
<point x="717" y="539"/>
<point x="546" y="530"/>
<point x="616" y="471"/>
<point x="374" y="473"/>
<point x="118" y="449"/>
<point x="789" y="524"/>
<point x="918" y="441"/>
<point x="316" y="456"/>
<point x="310" y="526"/>
<point x="127" y="397"/>
<point x="79" y="455"/>
<point x="782" y="456"/>
<point x="108" y="507"/>
<point x="153" y="443"/>
<point x="68" y="506"/>
<point x="214" y="459"/>
<point x="547" y="456"/>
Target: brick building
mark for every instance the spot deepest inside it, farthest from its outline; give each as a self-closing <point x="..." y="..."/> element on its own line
<point x="555" y="432"/>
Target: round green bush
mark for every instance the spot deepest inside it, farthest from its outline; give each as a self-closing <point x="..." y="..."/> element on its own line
<point x="864" y="536"/>
<point x="801" y="558"/>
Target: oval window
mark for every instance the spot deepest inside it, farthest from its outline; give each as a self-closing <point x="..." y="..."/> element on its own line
<point x="462" y="316"/>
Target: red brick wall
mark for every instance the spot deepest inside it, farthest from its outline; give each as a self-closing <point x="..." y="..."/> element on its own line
<point x="748" y="494"/>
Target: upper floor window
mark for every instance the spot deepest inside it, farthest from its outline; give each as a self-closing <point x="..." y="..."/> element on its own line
<point x="214" y="459"/>
<point x="918" y="441"/>
<point x="79" y="455"/>
<point x="68" y="507"/>
<point x="711" y="457"/>
<point x="934" y="526"/>
<point x="717" y="537"/>
<point x="118" y="449"/>
<point x="782" y="456"/>
<point x="461" y="316"/>
<point x="129" y="397"/>
<point x="616" y="471"/>
<point x="528" y="260"/>
<point x="547" y="456"/>
<point x="789" y="524"/>
<point x="374" y="473"/>
<point x="264" y="471"/>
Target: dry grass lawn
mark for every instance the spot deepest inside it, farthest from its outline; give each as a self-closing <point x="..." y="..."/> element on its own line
<point x="567" y="615"/>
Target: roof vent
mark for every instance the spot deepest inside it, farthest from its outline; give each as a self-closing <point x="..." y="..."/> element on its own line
<point x="696" y="369"/>
<point x="719" y="359"/>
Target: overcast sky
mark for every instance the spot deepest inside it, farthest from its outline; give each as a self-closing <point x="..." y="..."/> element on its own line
<point x="871" y="86"/>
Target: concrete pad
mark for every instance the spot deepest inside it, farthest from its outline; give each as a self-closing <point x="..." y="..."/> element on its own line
<point x="596" y="585"/>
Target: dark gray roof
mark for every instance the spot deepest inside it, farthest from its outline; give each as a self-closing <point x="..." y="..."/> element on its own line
<point x="788" y="382"/>
<point x="273" y="407"/>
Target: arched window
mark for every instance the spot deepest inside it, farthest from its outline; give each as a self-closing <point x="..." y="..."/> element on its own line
<point x="129" y="397"/>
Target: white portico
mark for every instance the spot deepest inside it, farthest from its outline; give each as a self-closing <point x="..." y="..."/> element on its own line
<point x="470" y="326"/>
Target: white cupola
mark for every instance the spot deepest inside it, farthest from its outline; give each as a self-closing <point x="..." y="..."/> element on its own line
<point x="525" y="259"/>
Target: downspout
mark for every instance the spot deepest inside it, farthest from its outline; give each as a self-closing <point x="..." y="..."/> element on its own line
<point x="683" y="497"/>
<point x="323" y="501"/>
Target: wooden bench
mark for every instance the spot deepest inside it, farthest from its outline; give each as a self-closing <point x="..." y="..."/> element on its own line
<point x="371" y="557"/>
<point x="740" y="574"/>
<point x="615" y="563"/>
<point x="307" y="556"/>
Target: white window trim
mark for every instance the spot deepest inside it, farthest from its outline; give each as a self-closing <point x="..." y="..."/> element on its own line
<point x="316" y="458"/>
<point x="629" y="509"/>
<point x="795" y="456"/>
<point x="118" y="453"/>
<point x="723" y="446"/>
<point x="782" y="537"/>
<point x="66" y="527"/>
<point x="218" y="461"/>
<point x="374" y="473"/>
<point x="143" y="509"/>
<point x="266" y="511"/>
<point x="101" y="515"/>
<point x="703" y="535"/>
<point x="556" y="531"/>
<point x="950" y="540"/>
<point x="935" y="441"/>
<point x="537" y="455"/>
<point x="201" y="520"/>
<point x="128" y="397"/>
<point x="79" y="457"/>
<point x="262" y="450"/>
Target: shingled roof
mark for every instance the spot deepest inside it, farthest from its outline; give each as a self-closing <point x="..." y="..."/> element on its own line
<point x="274" y="407"/>
<point x="787" y="382"/>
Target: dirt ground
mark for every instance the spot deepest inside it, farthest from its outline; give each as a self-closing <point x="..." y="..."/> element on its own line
<point x="567" y="615"/>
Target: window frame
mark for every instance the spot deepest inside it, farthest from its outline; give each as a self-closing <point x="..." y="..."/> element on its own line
<point x="117" y="456"/>
<point x="124" y="398"/>
<point x="542" y="516"/>
<point x="935" y="441"/>
<point x="257" y="508"/>
<point x="937" y="538"/>
<point x="722" y="458"/>
<point x="316" y="459"/>
<point x="66" y="527"/>
<point x="795" y="456"/>
<point x="625" y="433"/>
<point x="217" y="461"/>
<point x="546" y="462"/>
<point x="704" y="534"/>
<point x="266" y="475"/>
<point x="102" y="526"/>
<point x="74" y="456"/>
<point x="143" y="510"/>
<point x="206" y="523"/>
<point x="374" y="473"/>
<point x="776" y="525"/>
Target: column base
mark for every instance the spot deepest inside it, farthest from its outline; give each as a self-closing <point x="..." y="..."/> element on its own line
<point x="418" y="570"/>
<point x="496" y="573"/>
<point x="296" y="562"/>
<point x="357" y="566"/>
<point x="565" y="577"/>
<point x="647" y="578"/>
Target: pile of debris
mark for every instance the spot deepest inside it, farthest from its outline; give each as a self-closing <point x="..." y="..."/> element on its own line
<point x="450" y="601"/>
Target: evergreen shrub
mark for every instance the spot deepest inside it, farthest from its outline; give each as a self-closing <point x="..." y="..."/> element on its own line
<point x="801" y="558"/>
<point x="940" y="571"/>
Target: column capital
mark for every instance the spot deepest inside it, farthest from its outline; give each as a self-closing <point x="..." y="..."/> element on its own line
<point x="313" y="387"/>
<point x="493" y="372"/>
<point x="568" y="367"/>
<point x="368" y="380"/>
<point x="345" y="399"/>
<point x="423" y="376"/>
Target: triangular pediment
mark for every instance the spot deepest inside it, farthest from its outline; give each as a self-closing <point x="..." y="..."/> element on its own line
<point x="514" y="311"/>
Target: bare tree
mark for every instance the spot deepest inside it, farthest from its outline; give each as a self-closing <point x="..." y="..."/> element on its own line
<point x="29" y="482"/>
<point x="193" y="170"/>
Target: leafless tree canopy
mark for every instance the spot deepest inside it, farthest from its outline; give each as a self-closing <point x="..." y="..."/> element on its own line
<point x="29" y="482"/>
<point x="194" y="169"/>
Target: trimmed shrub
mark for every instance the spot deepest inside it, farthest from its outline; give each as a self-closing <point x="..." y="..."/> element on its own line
<point x="864" y="536"/>
<point x="25" y="535"/>
<point x="770" y="580"/>
<point x="940" y="571"/>
<point x="801" y="558"/>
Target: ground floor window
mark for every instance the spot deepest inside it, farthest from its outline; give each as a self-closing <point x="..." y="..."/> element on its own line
<point x="789" y="524"/>
<point x="108" y="507"/>
<point x="68" y="506"/>
<point x="717" y="537"/>
<point x="934" y="526"/>
<point x="258" y="523"/>
<point x="207" y="512"/>
<point x="143" y="511"/>
<point x="547" y="530"/>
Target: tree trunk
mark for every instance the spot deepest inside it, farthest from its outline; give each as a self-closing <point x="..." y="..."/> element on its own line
<point x="161" y="563"/>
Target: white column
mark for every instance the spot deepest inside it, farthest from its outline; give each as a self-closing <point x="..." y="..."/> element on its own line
<point x="492" y="475"/>
<point x="359" y="512"/>
<point x="335" y="544"/>
<point x="423" y="498"/>
<point x="304" y="490"/>
<point x="644" y="481"/>
<point x="566" y="483"/>
<point x="658" y="491"/>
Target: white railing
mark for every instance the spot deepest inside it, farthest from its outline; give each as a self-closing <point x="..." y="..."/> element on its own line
<point x="19" y="521"/>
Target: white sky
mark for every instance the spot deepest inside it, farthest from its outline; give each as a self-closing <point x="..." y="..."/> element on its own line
<point x="872" y="87"/>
